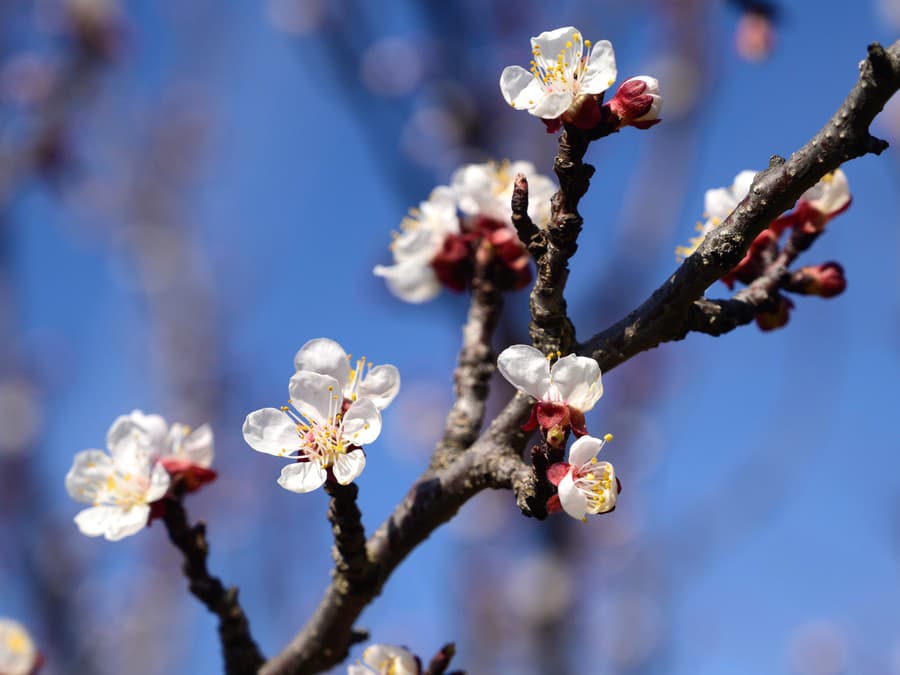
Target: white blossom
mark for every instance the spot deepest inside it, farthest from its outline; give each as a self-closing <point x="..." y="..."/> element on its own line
<point x="561" y="69"/>
<point x="486" y="189"/>
<point x="385" y="660"/>
<point x="319" y="436"/>
<point x="718" y="205"/>
<point x="18" y="655"/>
<point x="178" y="442"/>
<point x="422" y="235"/>
<point x="573" y="380"/>
<point x="120" y="486"/>
<point x="588" y="486"/>
<point x="830" y="195"/>
<point x="379" y="384"/>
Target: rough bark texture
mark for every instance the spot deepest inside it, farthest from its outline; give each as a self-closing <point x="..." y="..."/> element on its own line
<point x="239" y="651"/>
<point x="674" y="309"/>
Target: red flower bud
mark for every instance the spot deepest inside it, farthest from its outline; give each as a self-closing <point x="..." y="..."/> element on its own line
<point x="637" y="102"/>
<point x="826" y="280"/>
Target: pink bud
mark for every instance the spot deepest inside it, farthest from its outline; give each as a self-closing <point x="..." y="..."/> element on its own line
<point x="637" y="102"/>
<point x="826" y="280"/>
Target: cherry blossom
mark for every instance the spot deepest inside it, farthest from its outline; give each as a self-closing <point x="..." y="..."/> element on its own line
<point x="323" y="434"/>
<point x="564" y="391"/>
<point x="18" y="655"/>
<point x="120" y="486"/>
<point x="386" y="660"/>
<point x="379" y="384"/>
<point x="564" y="67"/>
<point x="584" y="485"/>
<point x="718" y="205"/>
<point x="486" y="189"/>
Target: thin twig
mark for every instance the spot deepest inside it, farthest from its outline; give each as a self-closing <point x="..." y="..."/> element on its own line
<point x="240" y="653"/>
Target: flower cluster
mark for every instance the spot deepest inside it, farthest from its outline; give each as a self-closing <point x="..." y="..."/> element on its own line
<point x="566" y="82"/>
<point x="564" y="391"/>
<point x="336" y="411"/>
<point x="18" y="655"/>
<point x="438" y="243"/>
<point x="147" y="460"/>
<point x="386" y="660"/>
<point x="814" y="210"/>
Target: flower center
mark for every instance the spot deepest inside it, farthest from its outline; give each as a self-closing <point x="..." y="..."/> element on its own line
<point x="566" y="71"/>
<point x="17" y="642"/>
<point x="122" y="489"/>
<point x="323" y="440"/>
<point x="595" y="480"/>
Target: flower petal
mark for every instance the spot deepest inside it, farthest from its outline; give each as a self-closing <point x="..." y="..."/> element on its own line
<point x="600" y="70"/>
<point x="741" y="186"/>
<point x="526" y="369"/>
<point x="829" y="195"/>
<point x="390" y="659"/>
<point x="325" y="357"/>
<point x="347" y="467"/>
<point x="577" y="379"/>
<point x="410" y="281"/>
<point x="198" y="446"/>
<point x="153" y="426"/>
<point x="112" y="522"/>
<point x="573" y="500"/>
<point x="159" y="484"/>
<point x="718" y="203"/>
<point x="302" y="477"/>
<point x="380" y="385"/>
<point x="362" y="423"/>
<point x="271" y="431"/>
<point x="584" y="450"/>
<point x="551" y="106"/>
<point x="551" y="43"/>
<point x="520" y="88"/>
<point x="314" y="395"/>
<point x="87" y="475"/>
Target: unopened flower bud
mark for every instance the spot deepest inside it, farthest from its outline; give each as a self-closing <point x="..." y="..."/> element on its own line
<point x="776" y="319"/>
<point x="637" y="102"/>
<point x="755" y="35"/>
<point x="826" y="280"/>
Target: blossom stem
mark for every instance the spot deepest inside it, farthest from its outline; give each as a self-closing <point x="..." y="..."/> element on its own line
<point x="239" y="650"/>
<point x="441" y="661"/>
<point x="349" y="535"/>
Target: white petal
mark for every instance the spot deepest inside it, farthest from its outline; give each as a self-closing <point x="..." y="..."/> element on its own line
<point x="126" y="440"/>
<point x="347" y="467"/>
<point x="600" y="71"/>
<point x="608" y="503"/>
<point x="520" y="88"/>
<point x="830" y="194"/>
<point x="417" y="245"/>
<point x="412" y="281"/>
<point x="473" y="185"/>
<point x="577" y="378"/>
<point x="87" y="475"/>
<point x="390" y="659"/>
<point x="159" y="484"/>
<point x="741" y="186"/>
<point x="719" y="203"/>
<point x="550" y="43"/>
<point x="198" y="446"/>
<point x="315" y="396"/>
<point x="362" y="423"/>
<point x="271" y="431"/>
<point x="573" y="500"/>
<point x="112" y="522"/>
<point x="325" y="357"/>
<point x="357" y="669"/>
<point x="526" y="369"/>
<point x="154" y="426"/>
<point x="18" y="655"/>
<point x="380" y="385"/>
<point x="551" y="106"/>
<point x="302" y="477"/>
<point x="584" y="450"/>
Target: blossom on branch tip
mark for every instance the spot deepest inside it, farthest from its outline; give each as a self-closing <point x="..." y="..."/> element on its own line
<point x="18" y="655"/>
<point x="566" y="75"/>
<point x="637" y="102"/>
<point x="379" y="384"/>
<point x="120" y="486"/>
<point x="322" y="435"/>
<point x="386" y="660"/>
<point x="564" y="391"/>
<point x="585" y="486"/>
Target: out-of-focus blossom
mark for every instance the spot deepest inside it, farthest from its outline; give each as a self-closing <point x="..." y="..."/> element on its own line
<point x="322" y="435"/>
<point x="379" y="384"/>
<point x="297" y="17"/>
<point x="822" y="202"/>
<point x="386" y="660"/>
<point x="585" y="485"/>
<point x="826" y="280"/>
<point x="404" y="72"/>
<point x="412" y="276"/>
<point x="718" y="205"/>
<point x="20" y="415"/>
<point x="754" y="38"/>
<point x="638" y="102"/>
<point x="120" y="486"/>
<point x="564" y="391"/>
<point x="472" y="217"/>
<point x="18" y="655"/>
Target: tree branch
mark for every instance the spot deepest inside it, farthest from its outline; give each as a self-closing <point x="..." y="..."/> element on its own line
<point x="241" y="655"/>
<point x="494" y="459"/>
<point x="475" y="366"/>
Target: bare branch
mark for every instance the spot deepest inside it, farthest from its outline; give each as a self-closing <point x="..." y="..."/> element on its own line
<point x="241" y="655"/>
<point x="475" y="366"/>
